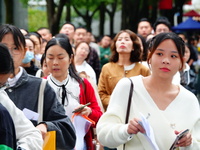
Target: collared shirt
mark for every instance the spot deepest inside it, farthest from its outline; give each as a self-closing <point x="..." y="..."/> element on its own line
<point x="72" y="89"/>
<point x="12" y="81"/>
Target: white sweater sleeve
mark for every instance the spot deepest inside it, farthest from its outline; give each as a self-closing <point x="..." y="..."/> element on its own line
<point x="28" y="137"/>
<point x="111" y="129"/>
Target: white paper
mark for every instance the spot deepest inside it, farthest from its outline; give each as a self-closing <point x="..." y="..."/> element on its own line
<point x="149" y="132"/>
<point x="81" y="126"/>
<point x="31" y="115"/>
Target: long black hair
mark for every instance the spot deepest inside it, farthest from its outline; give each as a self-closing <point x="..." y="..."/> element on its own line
<point x="18" y="37"/>
<point x="6" y="61"/>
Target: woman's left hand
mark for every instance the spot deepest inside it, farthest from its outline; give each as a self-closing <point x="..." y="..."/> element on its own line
<point x="43" y="129"/>
<point x="85" y="111"/>
<point x="184" y="141"/>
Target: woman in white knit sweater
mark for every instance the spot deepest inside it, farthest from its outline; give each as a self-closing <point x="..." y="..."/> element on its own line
<point x="170" y="108"/>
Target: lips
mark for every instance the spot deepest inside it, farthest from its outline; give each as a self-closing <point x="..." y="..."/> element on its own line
<point x="55" y="69"/>
<point x="122" y="46"/>
<point x="165" y="69"/>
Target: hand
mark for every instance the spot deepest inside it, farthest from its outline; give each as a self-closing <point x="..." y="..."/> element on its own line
<point x="184" y="141"/>
<point x="85" y="111"/>
<point x="43" y="128"/>
<point x="134" y="127"/>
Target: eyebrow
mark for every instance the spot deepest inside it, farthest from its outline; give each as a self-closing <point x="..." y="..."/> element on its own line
<point x="173" y="51"/>
<point x="56" y="55"/>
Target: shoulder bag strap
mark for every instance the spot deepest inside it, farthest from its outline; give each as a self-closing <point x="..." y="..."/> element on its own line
<point x="41" y="99"/>
<point x="129" y="104"/>
<point x="129" y="101"/>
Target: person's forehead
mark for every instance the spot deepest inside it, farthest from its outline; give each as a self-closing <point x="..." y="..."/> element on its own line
<point x="162" y="26"/>
<point x="83" y="44"/>
<point x="68" y="26"/>
<point x="144" y="23"/>
<point x="106" y="38"/>
<point x="43" y="31"/>
<point x="28" y="41"/>
<point x="124" y="34"/>
<point x="81" y="30"/>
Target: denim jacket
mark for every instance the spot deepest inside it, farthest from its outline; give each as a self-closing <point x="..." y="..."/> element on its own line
<point x="25" y="95"/>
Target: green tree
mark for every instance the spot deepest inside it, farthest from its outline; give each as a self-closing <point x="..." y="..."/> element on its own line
<point x="111" y="12"/>
<point x="130" y="14"/>
<point x="37" y="19"/>
<point x="54" y="13"/>
<point x="86" y="9"/>
<point x="109" y="7"/>
<point x="102" y="10"/>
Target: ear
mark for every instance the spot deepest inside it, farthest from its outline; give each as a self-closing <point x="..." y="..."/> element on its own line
<point x="149" y="61"/>
<point x="25" y="50"/>
<point x="184" y="59"/>
<point x="71" y="59"/>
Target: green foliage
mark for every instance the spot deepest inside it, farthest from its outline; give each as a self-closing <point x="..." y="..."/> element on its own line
<point x="90" y="5"/>
<point x="24" y="3"/>
<point x="36" y="19"/>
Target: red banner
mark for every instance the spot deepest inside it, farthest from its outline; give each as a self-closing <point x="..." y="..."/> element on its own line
<point x="189" y="2"/>
<point x="165" y="4"/>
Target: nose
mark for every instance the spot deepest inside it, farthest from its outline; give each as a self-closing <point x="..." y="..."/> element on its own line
<point x="122" y="41"/>
<point x="55" y="62"/>
<point x="165" y="60"/>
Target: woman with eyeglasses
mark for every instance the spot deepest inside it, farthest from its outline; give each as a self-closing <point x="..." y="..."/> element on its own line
<point x="82" y="51"/>
<point x="24" y="90"/>
<point x="15" y="129"/>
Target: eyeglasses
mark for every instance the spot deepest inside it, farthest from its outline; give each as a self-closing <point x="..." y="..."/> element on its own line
<point x="4" y="86"/>
<point x="14" y="50"/>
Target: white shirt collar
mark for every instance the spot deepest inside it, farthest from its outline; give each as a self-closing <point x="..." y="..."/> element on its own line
<point x="12" y="81"/>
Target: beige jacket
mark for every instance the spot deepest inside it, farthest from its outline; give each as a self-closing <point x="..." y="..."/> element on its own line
<point x="111" y="73"/>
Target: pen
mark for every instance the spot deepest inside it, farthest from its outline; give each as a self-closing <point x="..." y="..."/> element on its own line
<point x="80" y="108"/>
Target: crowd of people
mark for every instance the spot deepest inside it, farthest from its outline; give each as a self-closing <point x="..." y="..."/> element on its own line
<point x="89" y="76"/>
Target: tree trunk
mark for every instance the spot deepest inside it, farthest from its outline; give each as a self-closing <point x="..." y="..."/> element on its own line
<point x="88" y="20"/>
<point x="144" y="13"/>
<point x="112" y="14"/>
<point x="68" y="15"/>
<point x="154" y="12"/>
<point x="130" y="14"/>
<point x="101" y="18"/>
<point x="124" y="17"/>
<point x="50" y="13"/>
<point x="134" y="15"/>
<point x="54" y="16"/>
<point x="9" y="11"/>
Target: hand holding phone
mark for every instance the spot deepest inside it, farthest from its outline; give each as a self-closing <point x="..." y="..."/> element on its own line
<point x="81" y="108"/>
<point x="178" y="137"/>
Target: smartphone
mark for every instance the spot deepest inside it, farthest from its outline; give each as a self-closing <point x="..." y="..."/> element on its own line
<point x="178" y="137"/>
<point x="80" y="108"/>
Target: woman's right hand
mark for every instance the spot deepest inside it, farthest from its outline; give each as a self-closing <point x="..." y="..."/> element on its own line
<point x="134" y="127"/>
